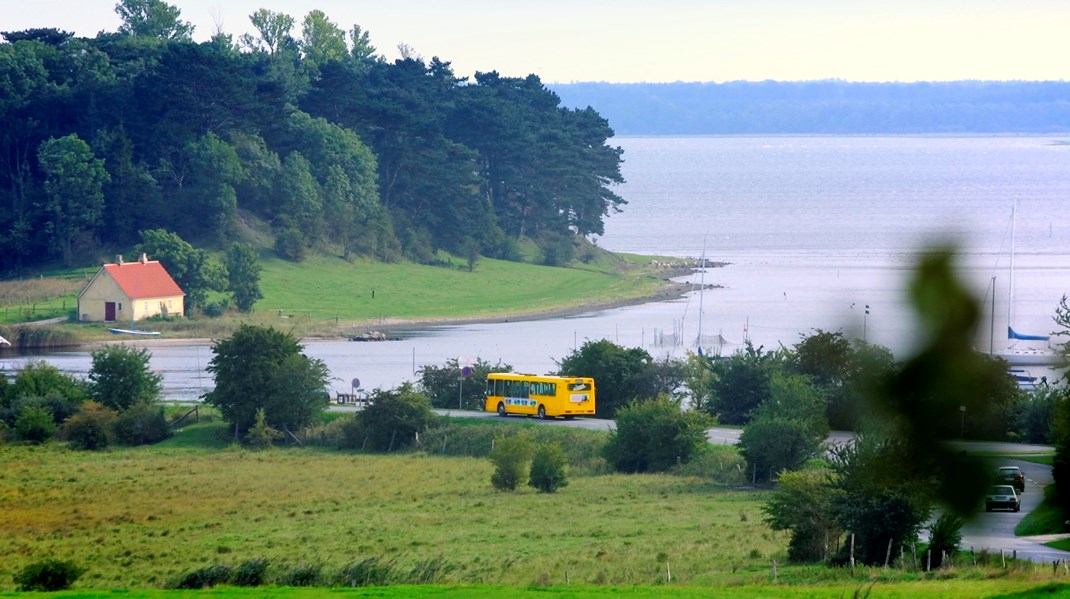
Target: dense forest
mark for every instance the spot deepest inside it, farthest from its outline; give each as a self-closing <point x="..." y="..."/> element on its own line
<point x="315" y="137"/>
<point x="826" y="107"/>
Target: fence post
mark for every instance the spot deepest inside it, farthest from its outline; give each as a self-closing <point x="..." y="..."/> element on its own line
<point x="888" y="553"/>
<point x="852" y="553"/>
<point x="774" y="570"/>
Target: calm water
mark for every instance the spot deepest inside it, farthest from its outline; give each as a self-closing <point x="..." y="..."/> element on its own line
<point x="814" y="229"/>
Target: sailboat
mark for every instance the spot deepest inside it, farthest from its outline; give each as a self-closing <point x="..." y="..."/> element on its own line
<point x="720" y="340"/>
<point x="1013" y="354"/>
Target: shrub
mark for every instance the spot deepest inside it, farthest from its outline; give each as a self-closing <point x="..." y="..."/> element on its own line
<point x="803" y="505"/>
<point x="945" y="536"/>
<point x="510" y="458"/>
<point x="717" y="463"/>
<point x="142" y="424"/>
<point x="548" y="468"/>
<point x="653" y="436"/>
<point x="202" y="578"/>
<point x="390" y="421"/>
<point x="771" y="445"/>
<point x="250" y="573"/>
<point x="48" y="576"/>
<point x="120" y="377"/>
<point x="91" y="428"/>
<point x="35" y="424"/>
<point x="261" y="435"/>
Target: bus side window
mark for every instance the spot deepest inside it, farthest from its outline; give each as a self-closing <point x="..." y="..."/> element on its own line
<point x="524" y="390"/>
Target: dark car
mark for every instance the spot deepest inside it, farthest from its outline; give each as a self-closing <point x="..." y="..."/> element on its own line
<point x="1002" y="497"/>
<point x="1011" y="475"/>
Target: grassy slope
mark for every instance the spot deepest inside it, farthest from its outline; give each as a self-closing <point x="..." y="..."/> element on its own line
<point x="327" y="290"/>
<point x="329" y="287"/>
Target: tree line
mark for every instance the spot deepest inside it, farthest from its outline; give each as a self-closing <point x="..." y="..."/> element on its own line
<point x="301" y="125"/>
<point x="827" y="107"/>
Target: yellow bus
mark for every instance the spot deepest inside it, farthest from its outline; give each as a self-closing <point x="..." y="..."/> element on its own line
<point x="544" y="396"/>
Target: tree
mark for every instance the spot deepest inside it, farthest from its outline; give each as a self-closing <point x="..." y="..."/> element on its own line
<point x="261" y="368"/>
<point x="880" y="495"/>
<point x="211" y="201"/>
<point x="621" y="375"/>
<point x="511" y="456"/>
<point x="191" y="268"/>
<point x="74" y="180"/>
<point x="444" y="386"/>
<point x="739" y="384"/>
<point x="120" y="377"/>
<point x="548" y="468"/>
<point x="243" y="275"/>
<point x="787" y="430"/>
<point x="274" y="29"/>
<point x="802" y="504"/>
<point x="152" y="18"/>
<point x="322" y="40"/>
<point x="391" y="420"/>
<point x="655" y="435"/>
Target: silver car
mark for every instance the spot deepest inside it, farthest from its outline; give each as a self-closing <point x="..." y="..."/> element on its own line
<point x="1002" y="496"/>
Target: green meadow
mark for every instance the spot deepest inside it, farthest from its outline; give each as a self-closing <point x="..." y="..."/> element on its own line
<point x="138" y="518"/>
<point x="328" y="296"/>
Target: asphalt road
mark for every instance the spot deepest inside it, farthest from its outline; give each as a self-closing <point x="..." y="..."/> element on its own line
<point x="986" y="531"/>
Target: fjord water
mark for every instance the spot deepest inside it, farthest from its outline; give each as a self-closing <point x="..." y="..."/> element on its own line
<point x="814" y="230"/>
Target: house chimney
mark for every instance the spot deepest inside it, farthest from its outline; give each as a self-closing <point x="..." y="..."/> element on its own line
<point x="144" y="258"/>
<point x="119" y="259"/>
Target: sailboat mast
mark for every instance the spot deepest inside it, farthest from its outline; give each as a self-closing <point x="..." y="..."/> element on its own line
<point x="1010" y="277"/>
<point x="701" y="292"/>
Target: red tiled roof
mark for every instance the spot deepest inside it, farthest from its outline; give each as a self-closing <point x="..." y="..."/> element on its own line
<point x="144" y="279"/>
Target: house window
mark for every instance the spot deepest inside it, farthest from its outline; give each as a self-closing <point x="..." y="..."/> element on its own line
<point x="120" y="305"/>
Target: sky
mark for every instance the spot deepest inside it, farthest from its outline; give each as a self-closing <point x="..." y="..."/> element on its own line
<point x="565" y="41"/>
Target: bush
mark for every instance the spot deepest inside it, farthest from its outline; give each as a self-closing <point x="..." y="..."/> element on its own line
<point x="142" y="424"/>
<point x="261" y="436"/>
<point x="390" y="421"/>
<point x="803" y="505"/>
<point x="91" y="428"/>
<point x="771" y="445"/>
<point x="202" y="578"/>
<point x="945" y="536"/>
<point x="251" y="573"/>
<point x="120" y="377"/>
<point x="654" y="436"/>
<point x="48" y="576"/>
<point x="717" y="463"/>
<point x="510" y="458"/>
<point x="35" y="424"/>
<point x="548" y="468"/>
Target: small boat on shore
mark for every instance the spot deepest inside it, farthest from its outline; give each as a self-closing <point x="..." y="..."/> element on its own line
<point x="133" y="332"/>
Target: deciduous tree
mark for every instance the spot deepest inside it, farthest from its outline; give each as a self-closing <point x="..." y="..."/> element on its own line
<point x="243" y="275"/>
<point x="121" y="377"/>
<point x="74" y="182"/>
<point x="262" y="368"/>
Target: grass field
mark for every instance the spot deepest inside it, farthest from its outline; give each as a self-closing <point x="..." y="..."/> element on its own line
<point x="325" y="295"/>
<point x="138" y="518"/>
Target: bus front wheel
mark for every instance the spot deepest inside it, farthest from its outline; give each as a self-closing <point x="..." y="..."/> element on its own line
<point x="542" y="411"/>
<point x="501" y="408"/>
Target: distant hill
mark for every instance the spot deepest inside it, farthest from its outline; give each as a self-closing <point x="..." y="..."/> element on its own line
<point x="825" y="107"/>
